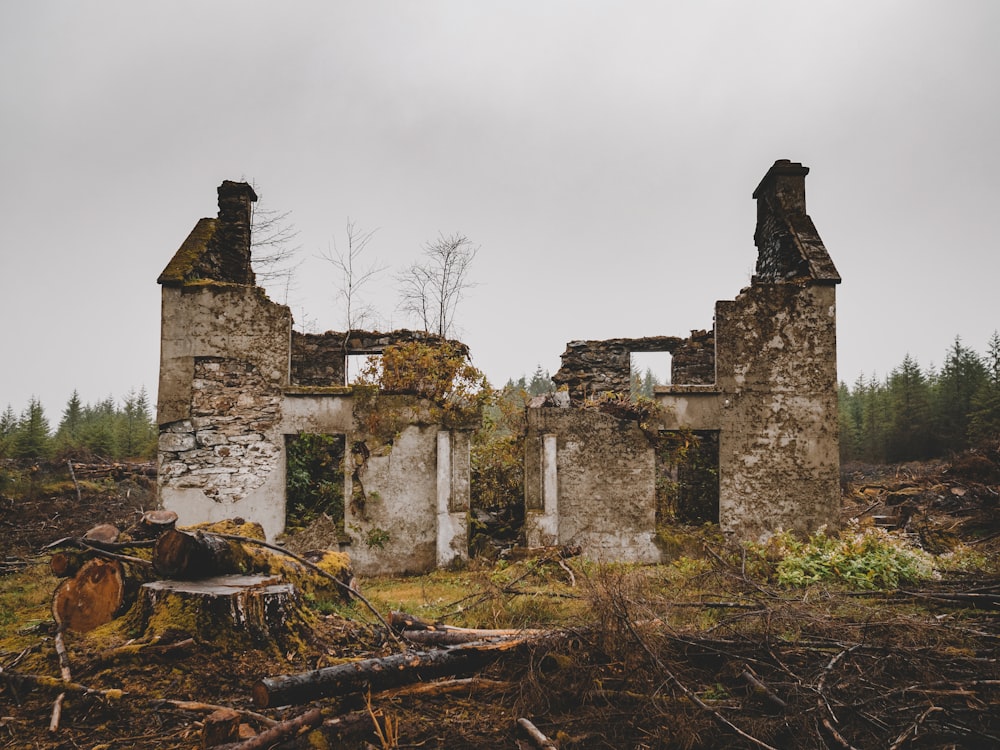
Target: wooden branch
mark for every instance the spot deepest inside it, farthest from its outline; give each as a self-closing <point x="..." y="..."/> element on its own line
<point x="378" y="673"/>
<point x="690" y="694"/>
<point x="762" y="689"/>
<point x="420" y="631"/>
<point x="464" y="685"/>
<point x="278" y="732"/>
<point x="534" y="734"/>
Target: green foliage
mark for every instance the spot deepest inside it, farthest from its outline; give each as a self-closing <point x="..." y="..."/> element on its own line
<point x="314" y="479"/>
<point x="866" y="560"/>
<point x="438" y="371"/>
<point x="498" y="451"/>
<point x="687" y="477"/>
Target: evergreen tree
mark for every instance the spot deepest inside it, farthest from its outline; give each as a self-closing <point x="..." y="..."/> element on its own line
<point x="98" y="430"/>
<point x="909" y="434"/>
<point x="8" y="429"/>
<point x="69" y="434"/>
<point x="984" y="417"/>
<point x="874" y="413"/>
<point x="540" y="383"/>
<point x="32" y="438"/>
<point x="961" y="377"/>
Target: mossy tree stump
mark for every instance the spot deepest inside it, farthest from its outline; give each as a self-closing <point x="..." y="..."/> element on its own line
<point x="235" y="611"/>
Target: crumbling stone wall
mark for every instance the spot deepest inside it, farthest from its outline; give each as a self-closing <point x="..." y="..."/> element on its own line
<point x="591" y="483"/>
<point x="235" y="382"/>
<point x="765" y="379"/>
<point x="318" y="359"/>
<point x="226" y="457"/>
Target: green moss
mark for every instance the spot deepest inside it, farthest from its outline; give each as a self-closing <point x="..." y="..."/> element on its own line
<point x="179" y="269"/>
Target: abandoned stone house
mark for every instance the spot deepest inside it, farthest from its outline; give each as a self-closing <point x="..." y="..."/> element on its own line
<point x="238" y="384"/>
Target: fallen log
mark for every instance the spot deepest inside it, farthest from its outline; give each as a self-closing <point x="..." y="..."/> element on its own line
<point x="190" y="556"/>
<point x="279" y="731"/>
<point x="379" y="673"/>
<point x="420" y="631"/>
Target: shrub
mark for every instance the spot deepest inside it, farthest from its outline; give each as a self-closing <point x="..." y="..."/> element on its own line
<point x="868" y="559"/>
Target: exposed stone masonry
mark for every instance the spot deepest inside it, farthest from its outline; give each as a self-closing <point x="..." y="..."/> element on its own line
<point x="593" y="367"/>
<point x="222" y="450"/>
<point x="318" y="359"/>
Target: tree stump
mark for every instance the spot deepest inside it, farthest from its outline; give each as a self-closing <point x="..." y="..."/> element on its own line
<point x="228" y="611"/>
<point x="90" y="598"/>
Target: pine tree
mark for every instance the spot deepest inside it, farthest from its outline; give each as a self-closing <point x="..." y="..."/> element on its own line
<point x="984" y="417"/>
<point x="8" y="429"/>
<point x="32" y="438"/>
<point x="961" y="377"/>
<point x="68" y="435"/>
<point x="909" y="431"/>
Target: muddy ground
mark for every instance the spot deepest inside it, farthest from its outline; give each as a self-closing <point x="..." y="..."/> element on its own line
<point x="708" y="652"/>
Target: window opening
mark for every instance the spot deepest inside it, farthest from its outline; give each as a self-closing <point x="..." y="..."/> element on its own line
<point x="648" y="370"/>
<point x="357" y="364"/>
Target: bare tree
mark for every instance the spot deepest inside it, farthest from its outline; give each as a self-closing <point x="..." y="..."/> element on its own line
<point x="273" y="250"/>
<point x="431" y="290"/>
<point x="353" y="274"/>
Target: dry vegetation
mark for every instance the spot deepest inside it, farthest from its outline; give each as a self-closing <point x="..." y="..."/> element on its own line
<point x="711" y="650"/>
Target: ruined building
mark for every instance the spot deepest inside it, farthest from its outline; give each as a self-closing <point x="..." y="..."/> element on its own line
<point x="237" y="384"/>
<point x="754" y="399"/>
<point x="759" y="392"/>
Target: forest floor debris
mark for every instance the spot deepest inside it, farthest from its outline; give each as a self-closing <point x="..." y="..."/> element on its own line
<point x="706" y="651"/>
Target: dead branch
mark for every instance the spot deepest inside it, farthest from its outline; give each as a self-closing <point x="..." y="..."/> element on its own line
<point x="762" y="689"/>
<point x="690" y="694"/>
<point x="279" y="731"/>
<point x="534" y="734"/>
<point x="378" y="673"/>
<point x="465" y="685"/>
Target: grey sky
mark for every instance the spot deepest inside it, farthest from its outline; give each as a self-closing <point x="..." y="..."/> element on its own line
<point x="601" y="153"/>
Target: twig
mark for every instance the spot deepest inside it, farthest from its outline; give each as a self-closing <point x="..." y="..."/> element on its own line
<point x="67" y="677"/>
<point x="540" y="740"/>
<point x="760" y="687"/>
<point x="569" y="572"/>
<point x="912" y="729"/>
<point x="690" y="694"/>
<point x="278" y="732"/>
<point x="821" y="700"/>
<point x="72" y="474"/>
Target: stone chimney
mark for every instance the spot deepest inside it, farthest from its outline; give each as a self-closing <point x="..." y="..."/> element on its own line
<point x="781" y="200"/>
<point x="230" y="245"/>
<point x="784" y="186"/>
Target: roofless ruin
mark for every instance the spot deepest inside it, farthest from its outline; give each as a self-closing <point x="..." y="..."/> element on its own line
<point x="746" y="432"/>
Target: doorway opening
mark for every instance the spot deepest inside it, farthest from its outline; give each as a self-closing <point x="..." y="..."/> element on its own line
<point x="687" y="476"/>
<point x="314" y="480"/>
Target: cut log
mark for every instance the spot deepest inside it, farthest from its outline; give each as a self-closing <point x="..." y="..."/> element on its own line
<point x="152" y="524"/>
<point x="103" y="533"/>
<point x="219" y="727"/>
<point x="90" y="598"/>
<point x="194" y="555"/>
<point x="190" y="556"/>
<point x="378" y="673"/>
<point x="420" y="631"/>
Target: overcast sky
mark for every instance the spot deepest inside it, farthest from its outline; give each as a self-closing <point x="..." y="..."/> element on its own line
<point x="602" y="154"/>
